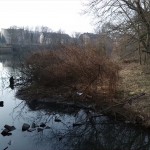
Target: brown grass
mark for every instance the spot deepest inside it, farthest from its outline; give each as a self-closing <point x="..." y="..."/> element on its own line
<point x="136" y="80"/>
<point x="73" y="67"/>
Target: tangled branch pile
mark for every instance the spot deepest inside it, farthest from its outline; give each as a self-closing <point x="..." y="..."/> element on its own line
<point x="75" y="67"/>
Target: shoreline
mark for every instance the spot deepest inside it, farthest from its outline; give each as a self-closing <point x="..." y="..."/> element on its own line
<point x="120" y="110"/>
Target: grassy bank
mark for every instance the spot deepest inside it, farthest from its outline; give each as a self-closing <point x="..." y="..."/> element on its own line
<point x="135" y="80"/>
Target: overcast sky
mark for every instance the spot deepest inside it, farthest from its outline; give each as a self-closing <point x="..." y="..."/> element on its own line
<point x="56" y="14"/>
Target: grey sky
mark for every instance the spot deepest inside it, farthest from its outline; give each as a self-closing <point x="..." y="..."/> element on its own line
<point x="56" y="14"/>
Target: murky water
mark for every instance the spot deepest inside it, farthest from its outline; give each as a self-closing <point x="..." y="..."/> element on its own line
<point x="67" y="130"/>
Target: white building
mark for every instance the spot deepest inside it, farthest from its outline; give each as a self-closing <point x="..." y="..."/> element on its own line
<point x="13" y="35"/>
<point x="54" y="38"/>
<point x="6" y="35"/>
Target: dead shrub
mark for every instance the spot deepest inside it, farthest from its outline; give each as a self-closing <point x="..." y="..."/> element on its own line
<point x="73" y="67"/>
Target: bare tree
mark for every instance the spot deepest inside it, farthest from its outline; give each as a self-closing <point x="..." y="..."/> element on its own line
<point x="130" y="17"/>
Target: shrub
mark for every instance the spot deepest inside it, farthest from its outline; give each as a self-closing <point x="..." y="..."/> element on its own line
<point x="70" y="67"/>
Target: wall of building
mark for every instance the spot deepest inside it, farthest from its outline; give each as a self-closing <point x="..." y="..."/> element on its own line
<point x="6" y="35"/>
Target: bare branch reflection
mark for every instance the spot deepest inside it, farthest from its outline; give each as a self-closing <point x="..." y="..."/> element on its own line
<point x="83" y="130"/>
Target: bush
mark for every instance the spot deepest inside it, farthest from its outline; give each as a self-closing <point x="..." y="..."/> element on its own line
<point x="82" y="69"/>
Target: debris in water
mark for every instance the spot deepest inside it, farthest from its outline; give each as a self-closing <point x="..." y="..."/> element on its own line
<point x="10" y="128"/>
<point x="11" y="80"/>
<point x="6" y="148"/>
<point x="9" y="143"/>
<point x="43" y="125"/>
<point x="1" y="103"/>
<point x="57" y="120"/>
<point x="77" y="124"/>
<point x="39" y="129"/>
<point x="25" y="127"/>
<point x="5" y="132"/>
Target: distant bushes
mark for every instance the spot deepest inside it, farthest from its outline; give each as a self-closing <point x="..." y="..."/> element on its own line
<point x="72" y="67"/>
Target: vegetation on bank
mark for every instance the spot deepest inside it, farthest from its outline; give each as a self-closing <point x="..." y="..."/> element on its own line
<point x="70" y="71"/>
<point x="82" y="76"/>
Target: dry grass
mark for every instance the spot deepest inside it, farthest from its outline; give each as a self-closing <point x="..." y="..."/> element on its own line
<point x="75" y="68"/>
<point x="136" y="80"/>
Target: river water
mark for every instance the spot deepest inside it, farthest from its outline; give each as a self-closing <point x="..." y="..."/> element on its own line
<point x="67" y="129"/>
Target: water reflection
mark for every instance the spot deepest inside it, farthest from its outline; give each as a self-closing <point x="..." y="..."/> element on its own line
<point x="85" y="130"/>
<point x="68" y="128"/>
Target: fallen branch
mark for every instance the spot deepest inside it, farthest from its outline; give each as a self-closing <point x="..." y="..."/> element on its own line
<point x="129" y="100"/>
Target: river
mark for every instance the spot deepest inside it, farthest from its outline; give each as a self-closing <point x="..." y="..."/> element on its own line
<point x="66" y="129"/>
